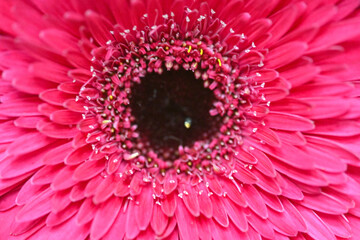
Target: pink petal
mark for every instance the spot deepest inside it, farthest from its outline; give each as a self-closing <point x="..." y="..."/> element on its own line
<point x="159" y="220"/>
<point x="168" y="205"/>
<point x="28" y="122"/>
<point x="117" y="230"/>
<point x="339" y="128"/>
<point x="56" y="97"/>
<point x="78" y="192"/>
<point x="254" y="200"/>
<point x="267" y="184"/>
<point x="144" y="210"/>
<point x="58" y="40"/>
<point x="75" y="106"/>
<point x="190" y="199"/>
<point x="301" y="74"/>
<point x="264" y="164"/>
<point x="322" y="89"/>
<point x="122" y="188"/>
<point x="170" y="183"/>
<point x="56" y="131"/>
<point x="312" y="178"/>
<point x="132" y="229"/>
<point x="45" y="175"/>
<point x="7" y="201"/>
<point x="170" y="229"/>
<point x="63" y="179"/>
<point x="50" y="71"/>
<point x="135" y="184"/>
<point x="293" y="138"/>
<point x="244" y="175"/>
<point x="54" y="219"/>
<point x="262" y="226"/>
<point x="60" y="200"/>
<point x="285" y="54"/>
<point x="316" y="227"/>
<point x="272" y="201"/>
<point x="186" y="222"/>
<point x="9" y="133"/>
<point x="296" y="217"/>
<point x="245" y="156"/>
<point x="282" y="21"/>
<point x="31" y="85"/>
<point x="219" y="213"/>
<point x="65" y="117"/>
<point x="214" y="184"/>
<point x="104" y="190"/>
<point x="70" y="87"/>
<point x="291" y="105"/>
<point x="284" y="121"/>
<point x="29" y="191"/>
<point x="78" y="156"/>
<point x="57" y="155"/>
<point x="290" y="155"/>
<point x="324" y="203"/>
<point x="88" y="170"/>
<point x="338" y="225"/>
<point x="99" y="27"/>
<point x="22" y="164"/>
<point x="234" y="193"/>
<point x="24" y="144"/>
<point x="335" y="33"/>
<point x="86" y="212"/>
<point x="36" y="208"/>
<point x="283" y="223"/>
<point x="63" y="231"/>
<point x="237" y="215"/>
<point x="206" y="207"/>
<point x="204" y="228"/>
<point x="107" y="211"/>
<point x="47" y="109"/>
<point x="288" y="188"/>
<point x="268" y="136"/>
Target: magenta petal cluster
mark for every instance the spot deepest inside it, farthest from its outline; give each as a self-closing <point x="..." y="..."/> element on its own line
<point x="180" y="119"/>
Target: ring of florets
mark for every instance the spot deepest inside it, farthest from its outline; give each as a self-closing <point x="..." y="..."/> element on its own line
<point x="157" y="49"/>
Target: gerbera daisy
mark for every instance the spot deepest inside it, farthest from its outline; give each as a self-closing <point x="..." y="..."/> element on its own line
<point x="184" y="119"/>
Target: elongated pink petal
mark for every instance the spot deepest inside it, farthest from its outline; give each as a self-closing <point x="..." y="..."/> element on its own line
<point x="38" y="207"/>
<point x="291" y="122"/>
<point x="107" y="211"/>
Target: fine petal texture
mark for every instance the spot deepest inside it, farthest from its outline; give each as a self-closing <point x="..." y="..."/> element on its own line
<point x="180" y="119"/>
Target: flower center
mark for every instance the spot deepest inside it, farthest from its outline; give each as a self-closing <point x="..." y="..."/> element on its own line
<point x="167" y="97"/>
<point x="172" y="109"/>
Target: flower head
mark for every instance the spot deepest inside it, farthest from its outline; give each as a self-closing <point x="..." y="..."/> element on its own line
<point x="179" y="119"/>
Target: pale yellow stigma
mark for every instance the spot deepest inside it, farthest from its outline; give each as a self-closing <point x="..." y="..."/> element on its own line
<point x="187" y="123"/>
<point x="201" y="51"/>
<point x="106" y="121"/>
<point x="219" y="61"/>
<point x="189" y="50"/>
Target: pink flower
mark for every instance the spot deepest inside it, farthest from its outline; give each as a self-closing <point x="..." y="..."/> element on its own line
<point x="194" y="119"/>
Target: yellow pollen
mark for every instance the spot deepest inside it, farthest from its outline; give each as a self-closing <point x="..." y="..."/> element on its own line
<point x="201" y="51"/>
<point x="219" y="61"/>
<point x="106" y="121"/>
<point x="166" y="48"/>
<point x="189" y="49"/>
<point x="111" y="97"/>
<point x="187" y="123"/>
<point x="189" y="163"/>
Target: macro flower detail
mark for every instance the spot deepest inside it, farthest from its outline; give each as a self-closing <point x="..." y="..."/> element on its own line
<point x="152" y="119"/>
